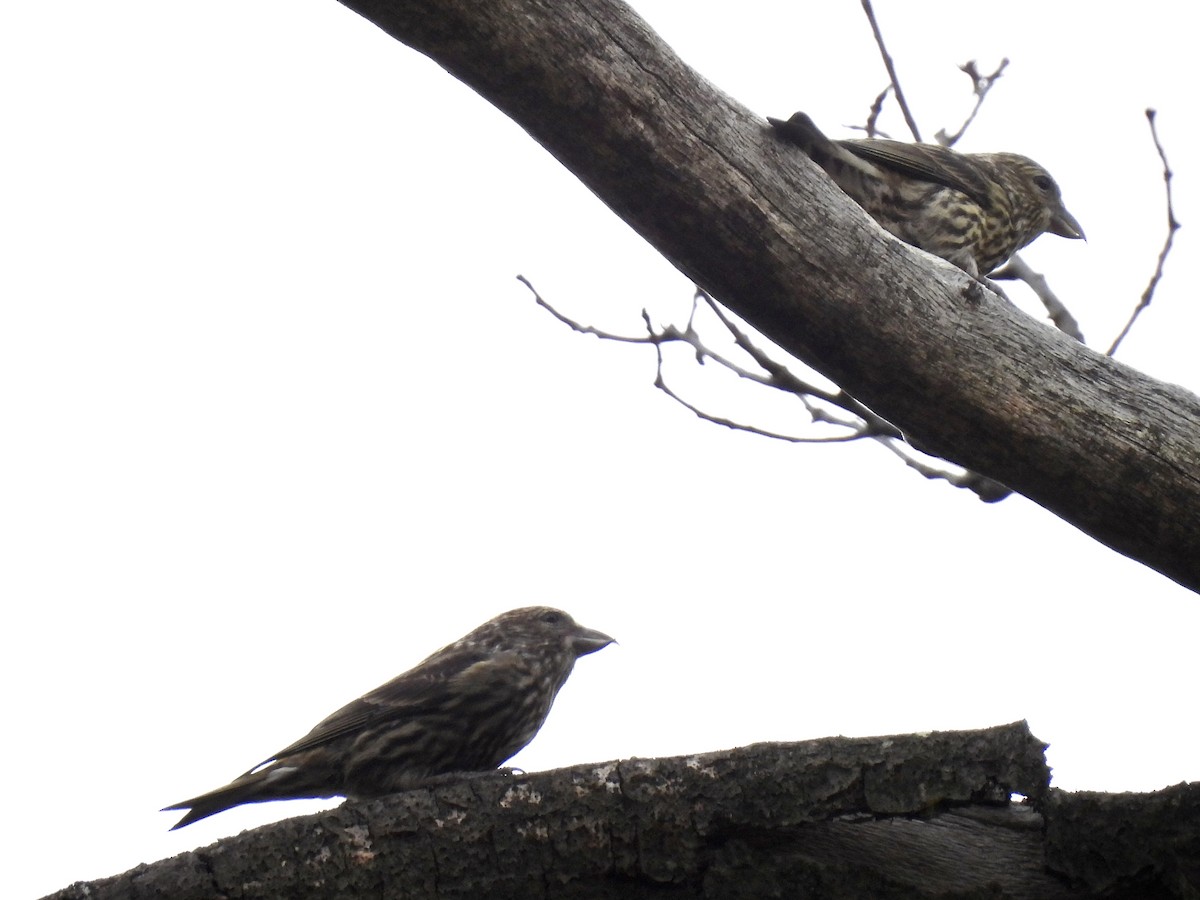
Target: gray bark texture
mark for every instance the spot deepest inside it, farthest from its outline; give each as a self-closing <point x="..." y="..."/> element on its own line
<point x="909" y="816"/>
<point x="751" y="220"/>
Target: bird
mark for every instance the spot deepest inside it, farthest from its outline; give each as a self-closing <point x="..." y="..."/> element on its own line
<point x="974" y="210"/>
<point x="465" y="709"/>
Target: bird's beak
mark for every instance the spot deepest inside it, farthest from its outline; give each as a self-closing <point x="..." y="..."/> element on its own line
<point x="586" y="641"/>
<point x="1064" y="225"/>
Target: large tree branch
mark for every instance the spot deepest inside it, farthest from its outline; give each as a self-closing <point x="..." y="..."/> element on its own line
<point x="962" y="372"/>
<point x="905" y="816"/>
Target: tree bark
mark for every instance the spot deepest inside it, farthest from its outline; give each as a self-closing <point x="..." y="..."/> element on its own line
<point x="907" y="816"/>
<point x="965" y="374"/>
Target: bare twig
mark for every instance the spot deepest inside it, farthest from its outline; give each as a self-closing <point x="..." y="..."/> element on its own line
<point x="981" y="84"/>
<point x="575" y="326"/>
<point x="985" y="488"/>
<point x="1172" y="227"/>
<point x="661" y="384"/>
<point x="891" y="70"/>
<point x="872" y="128"/>
<point x="833" y="408"/>
<point x="784" y="379"/>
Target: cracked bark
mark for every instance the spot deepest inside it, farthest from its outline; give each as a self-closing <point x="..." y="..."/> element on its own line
<point x="905" y="816"/>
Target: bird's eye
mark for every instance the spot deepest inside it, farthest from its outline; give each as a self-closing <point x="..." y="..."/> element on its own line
<point x="552" y="617"/>
<point x="1043" y="183"/>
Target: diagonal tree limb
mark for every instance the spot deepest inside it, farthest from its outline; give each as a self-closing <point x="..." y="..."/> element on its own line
<point x="971" y="378"/>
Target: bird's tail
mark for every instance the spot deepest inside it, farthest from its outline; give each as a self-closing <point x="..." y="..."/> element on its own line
<point x="275" y="782"/>
<point x="799" y="129"/>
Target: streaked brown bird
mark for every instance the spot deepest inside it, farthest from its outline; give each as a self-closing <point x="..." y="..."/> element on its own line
<point x="972" y="209"/>
<point x="467" y="708"/>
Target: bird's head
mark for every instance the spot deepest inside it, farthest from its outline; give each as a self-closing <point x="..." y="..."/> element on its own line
<point x="540" y="629"/>
<point x="1035" y="197"/>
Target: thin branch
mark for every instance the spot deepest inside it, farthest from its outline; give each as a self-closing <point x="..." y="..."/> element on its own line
<point x="575" y="326"/>
<point x="872" y="128"/>
<point x="668" y="335"/>
<point x="891" y="70"/>
<point x="778" y="377"/>
<point x="1172" y="227"/>
<point x="981" y="84"/>
<point x="785" y="379"/>
<point x="822" y="406"/>
<point x="661" y="384"/>
<point x="988" y="490"/>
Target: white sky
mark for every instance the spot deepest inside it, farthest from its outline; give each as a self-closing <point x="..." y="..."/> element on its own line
<point x="278" y="419"/>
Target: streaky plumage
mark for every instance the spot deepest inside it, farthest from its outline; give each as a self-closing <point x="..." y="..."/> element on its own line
<point x="467" y="708"/>
<point x="972" y="209"/>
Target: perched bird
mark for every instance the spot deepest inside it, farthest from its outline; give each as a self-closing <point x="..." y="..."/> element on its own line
<point x="972" y="209"/>
<point x="467" y="708"/>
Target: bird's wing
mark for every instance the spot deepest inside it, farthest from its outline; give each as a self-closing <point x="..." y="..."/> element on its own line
<point x="441" y="679"/>
<point x="928" y="162"/>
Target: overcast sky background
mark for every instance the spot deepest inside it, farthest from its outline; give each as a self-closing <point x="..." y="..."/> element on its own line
<point x="279" y="420"/>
